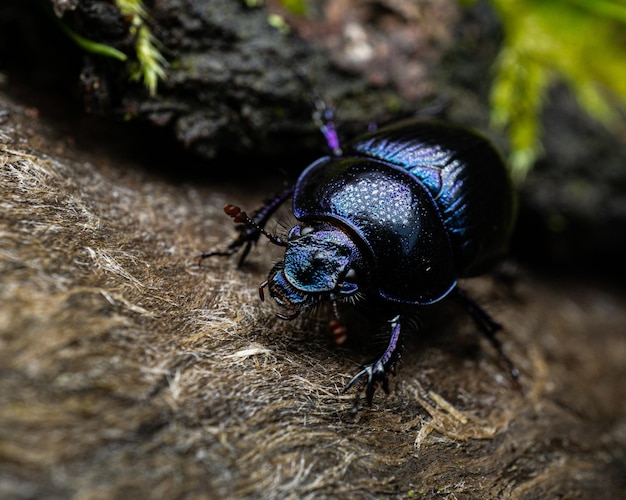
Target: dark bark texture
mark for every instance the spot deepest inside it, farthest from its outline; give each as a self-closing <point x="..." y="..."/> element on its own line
<point x="237" y="85"/>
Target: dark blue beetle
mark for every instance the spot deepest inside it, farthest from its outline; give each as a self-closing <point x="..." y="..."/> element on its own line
<point x="392" y="221"/>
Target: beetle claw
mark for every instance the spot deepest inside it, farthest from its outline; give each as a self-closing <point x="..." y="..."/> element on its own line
<point x="373" y="374"/>
<point x="288" y="317"/>
<point x="376" y="373"/>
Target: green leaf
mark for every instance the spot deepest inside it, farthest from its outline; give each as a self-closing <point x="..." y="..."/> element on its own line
<point x="579" y="42"/>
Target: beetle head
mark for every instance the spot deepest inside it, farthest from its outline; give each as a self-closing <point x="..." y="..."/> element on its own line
<point x="321" y="263"/>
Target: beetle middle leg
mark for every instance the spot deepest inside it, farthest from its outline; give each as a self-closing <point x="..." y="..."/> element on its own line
<point x="377" y="371"/>
<point x="249" y="232"/>
<point x="487" y="326"/>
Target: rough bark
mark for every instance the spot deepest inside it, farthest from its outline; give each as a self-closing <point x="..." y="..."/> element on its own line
<point x="235" y="84"/>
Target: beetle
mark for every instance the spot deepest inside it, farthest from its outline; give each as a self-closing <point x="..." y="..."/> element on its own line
<point x="391" y="221"/>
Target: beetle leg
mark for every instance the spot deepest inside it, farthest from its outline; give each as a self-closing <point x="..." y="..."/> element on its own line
<point x="376" y="372"/>
<point x="487" y="326"/>
<point x="251" y="229"/>
<point x="336" y="326"/>
<point x="338" y="331"/>
<point x="324" y="118"/>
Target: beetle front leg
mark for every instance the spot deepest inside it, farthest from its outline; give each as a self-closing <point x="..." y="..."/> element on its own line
<point x="376" y="372"/>
<point x="252" y="228"/>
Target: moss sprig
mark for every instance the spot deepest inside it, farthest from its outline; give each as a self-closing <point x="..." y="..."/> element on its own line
<point x="150" y="65"/>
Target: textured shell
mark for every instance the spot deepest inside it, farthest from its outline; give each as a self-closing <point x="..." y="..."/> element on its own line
<point x="428" y="202"/>
<point x="465" y="175"/>
<point x="393" y="218"/>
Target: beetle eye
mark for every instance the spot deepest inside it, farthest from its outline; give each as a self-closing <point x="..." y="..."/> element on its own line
<point x="348" y="285"/>
<point x="298" y="231"/>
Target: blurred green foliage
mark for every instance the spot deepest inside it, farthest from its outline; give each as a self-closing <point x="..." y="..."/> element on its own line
<point x="84" y="43"/>
<point x="297" y="7"/>
<point x="579" y="42"/>
<point x="150" y="64"/>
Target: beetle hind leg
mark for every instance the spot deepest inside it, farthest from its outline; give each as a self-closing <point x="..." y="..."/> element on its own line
<point x="376" y="373"/>
<point x="488" y="328"/>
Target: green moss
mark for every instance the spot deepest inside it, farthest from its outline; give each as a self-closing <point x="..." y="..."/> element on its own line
<point x="93" y="47"/>
<point x="150" y="64"/>
<point x="84" y="43"/>
<point x="579" y="42"/>
<point x="297" y="7"/>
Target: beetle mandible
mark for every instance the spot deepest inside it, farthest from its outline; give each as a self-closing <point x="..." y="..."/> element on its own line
<point x="392" y="221"/>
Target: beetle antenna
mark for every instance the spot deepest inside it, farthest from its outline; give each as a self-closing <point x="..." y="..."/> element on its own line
<point x="240" y="217"/>
<point x="324" y="118"/>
